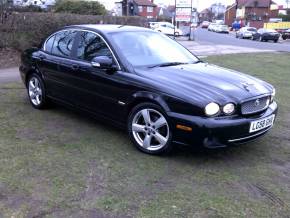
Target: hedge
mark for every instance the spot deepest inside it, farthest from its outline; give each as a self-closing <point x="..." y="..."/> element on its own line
<point x="23" y="30"/>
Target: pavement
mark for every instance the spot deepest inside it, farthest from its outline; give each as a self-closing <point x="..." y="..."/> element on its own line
<point x="9" y="75"/>
<point x="217" y="49"/>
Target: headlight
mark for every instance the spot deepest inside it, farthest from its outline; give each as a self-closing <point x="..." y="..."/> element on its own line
<point x="212" y="109"/>
<point x="229" y="108"/>
<point x="273" y="95"/>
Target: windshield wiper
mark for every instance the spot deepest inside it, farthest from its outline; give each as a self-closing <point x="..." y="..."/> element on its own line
<point x="168" y="64"/>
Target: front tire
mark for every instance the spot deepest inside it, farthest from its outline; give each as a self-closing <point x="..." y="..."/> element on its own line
<point x="36" y="91"/>
<point x="149" y="129"/>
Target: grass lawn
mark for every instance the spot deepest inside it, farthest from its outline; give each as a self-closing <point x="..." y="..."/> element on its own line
<point x="57" y="163"/>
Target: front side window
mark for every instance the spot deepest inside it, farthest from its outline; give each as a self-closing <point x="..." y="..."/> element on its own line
<point x="63" y="43"/>
<point x="90" y="46"/>
<point x="150" y="48"/>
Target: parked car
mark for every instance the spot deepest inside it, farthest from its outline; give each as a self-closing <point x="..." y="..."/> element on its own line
<point x="167" y="29"/>
<point x="153" y="25"/>
<point x="221" y="29"/>
<point x="212" y="26"/>
<point x="286" y="34"/>
<point x="205" y="24"/>
<point x="246" y="33"/>
<point x="266" y="35"/>
<point x="149" y="84"/>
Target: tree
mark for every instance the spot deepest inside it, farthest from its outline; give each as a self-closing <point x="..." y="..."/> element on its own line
<point x="80" y="7"/>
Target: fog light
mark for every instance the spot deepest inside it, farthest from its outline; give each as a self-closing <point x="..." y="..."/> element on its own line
<point x="212" y="109"/>
<point x="229" y="108"/>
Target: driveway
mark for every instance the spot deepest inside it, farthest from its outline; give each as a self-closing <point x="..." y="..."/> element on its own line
<point x="9" y="75"/>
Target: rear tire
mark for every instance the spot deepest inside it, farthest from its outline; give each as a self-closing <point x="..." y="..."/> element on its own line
<point x="276" y="40"/>
<point x="36" y="92"/>
<point x="149" y="129"/>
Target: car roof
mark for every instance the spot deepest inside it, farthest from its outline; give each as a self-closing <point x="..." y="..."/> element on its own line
<point x="109" y="28"/>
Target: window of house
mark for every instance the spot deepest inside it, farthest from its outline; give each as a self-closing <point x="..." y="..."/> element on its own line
<point x="90" y="46"/>
<point x="63" y="43"/>
<point x="140" y="8"/>
<point x="149" y="9"/>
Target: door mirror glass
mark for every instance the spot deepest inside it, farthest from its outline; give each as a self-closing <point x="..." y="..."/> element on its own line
<point x="103" y="62"/>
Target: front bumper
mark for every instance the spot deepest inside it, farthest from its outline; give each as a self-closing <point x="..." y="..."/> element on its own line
<point x="219" y="131"/>
<point x="271" y="37"/>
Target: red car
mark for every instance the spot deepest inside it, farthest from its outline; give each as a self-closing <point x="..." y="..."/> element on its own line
<point x="205" y="24"/>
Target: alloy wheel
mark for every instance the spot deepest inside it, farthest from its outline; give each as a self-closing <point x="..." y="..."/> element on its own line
<point x="35" y="91"/>
<point x="150" y="129"/>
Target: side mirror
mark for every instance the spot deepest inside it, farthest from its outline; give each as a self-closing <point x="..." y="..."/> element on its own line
<point x="102" y="62"/>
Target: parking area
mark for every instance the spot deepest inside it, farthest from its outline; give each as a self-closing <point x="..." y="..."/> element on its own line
<point x="58" y="163"/>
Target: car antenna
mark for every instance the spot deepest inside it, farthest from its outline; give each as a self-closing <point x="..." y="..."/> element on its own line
<point x="121" y="26"/>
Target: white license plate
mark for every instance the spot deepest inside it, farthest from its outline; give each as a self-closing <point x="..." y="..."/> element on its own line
<point x="262" y="124"/>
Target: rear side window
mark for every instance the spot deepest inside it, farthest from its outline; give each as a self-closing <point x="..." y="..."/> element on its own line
<point x="49" y="44"/>
<point x="90" y="46"/>
<point x="63" y="43"/>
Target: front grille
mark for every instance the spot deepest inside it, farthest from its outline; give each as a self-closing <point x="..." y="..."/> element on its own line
<point x="255" y="106"/>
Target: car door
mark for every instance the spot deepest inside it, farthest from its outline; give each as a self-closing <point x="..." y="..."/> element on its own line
<point x="47" y="64"/>
<point x="170" y="29"/>
<point x="57" y="80"/>
<point x="96" y="89"/>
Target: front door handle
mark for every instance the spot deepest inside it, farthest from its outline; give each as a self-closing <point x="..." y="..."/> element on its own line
<point x="42" y="57"/>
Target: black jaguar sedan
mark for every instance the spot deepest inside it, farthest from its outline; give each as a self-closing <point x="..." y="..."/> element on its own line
<point x="149" y="84"/>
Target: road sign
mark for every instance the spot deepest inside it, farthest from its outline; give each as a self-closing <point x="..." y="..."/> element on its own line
<point x="183" y="3"/>
<point x="183" y="14"/>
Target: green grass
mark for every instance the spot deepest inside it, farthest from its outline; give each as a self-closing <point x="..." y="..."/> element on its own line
<point x="57" y="163"/>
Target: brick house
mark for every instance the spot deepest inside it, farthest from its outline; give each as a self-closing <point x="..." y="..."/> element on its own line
<point x="145" y="8"/>
<point x="205" y="15"/>
<point x="251" y="12"/>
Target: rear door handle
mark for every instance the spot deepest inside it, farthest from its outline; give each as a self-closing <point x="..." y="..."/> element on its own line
<point x="75" y="67"/>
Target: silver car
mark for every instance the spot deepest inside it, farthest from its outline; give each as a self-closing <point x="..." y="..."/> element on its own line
<point x="246" y="33"/>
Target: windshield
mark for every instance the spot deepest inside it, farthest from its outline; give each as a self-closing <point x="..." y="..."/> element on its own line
<point x="150" y="48"/>
<point x="252" y="29"/>
<point x="271" y="31"/>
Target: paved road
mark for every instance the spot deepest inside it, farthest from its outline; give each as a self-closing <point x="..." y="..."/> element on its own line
<point x="9" y="75"/>
<point x="204" y="37"/>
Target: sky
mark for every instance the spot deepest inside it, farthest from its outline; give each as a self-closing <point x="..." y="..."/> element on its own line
<point x="200" y="4"/>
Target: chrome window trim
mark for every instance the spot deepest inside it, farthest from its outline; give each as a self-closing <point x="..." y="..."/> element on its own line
<point x="81" y="30"/>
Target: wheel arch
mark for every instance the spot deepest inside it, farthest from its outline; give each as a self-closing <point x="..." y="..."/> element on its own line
<point x="142" y="97"/>
<point x="31" y="71"/>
